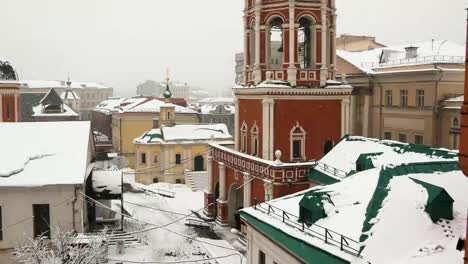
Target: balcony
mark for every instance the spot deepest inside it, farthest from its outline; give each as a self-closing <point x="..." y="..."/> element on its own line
<point x="271" y="170"/>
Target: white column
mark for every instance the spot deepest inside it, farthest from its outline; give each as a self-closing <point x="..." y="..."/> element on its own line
<point x="324" y="69"/>
<point x="313" y="46"/>
<point x="266" y="127"/>
<point x="209" y="169"/>
<point x="16" y="108"/>
<point x="257" y="71"/>
<point x="333" y="46"/>
<point x="348" y="118"/>
<point x="365" y="116"/>
<point x="292" y="71"/>
<point x="343" y="117"/>
<point x="236" y="123"/>
<point x="352" y="119"/>
<point x="246" y="47"/>
<point x="222" y="182"/>
<point x="247" y="190"/>
<point x="271" y="153"/>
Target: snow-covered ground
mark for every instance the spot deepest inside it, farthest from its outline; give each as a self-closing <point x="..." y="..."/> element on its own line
<point x="175" y="241"/>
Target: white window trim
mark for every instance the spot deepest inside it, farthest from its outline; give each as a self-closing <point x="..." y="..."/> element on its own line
<point x="254" y="140"/>
<point x="297" y="137"/>
<point x="243" y="137"/>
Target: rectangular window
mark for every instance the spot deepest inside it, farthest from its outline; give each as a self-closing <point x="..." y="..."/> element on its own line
<point x="420" y="98"/>
<point x="143" y="158"/>
<point x="178" y="159"/>
<point x="418" y="139"/>
<point x="1" y="225"/>
<point x="297" y="149"/>
<point x="261" y="257"/>
<point x="8" y="111"/>
<point x="41" y="213"/>
<point x="388" y="135"/>
<point x="388" y="98"/>
<point x="402" y="138"/>
<point x="155" y="158"/>
<point x="404" y="98"/>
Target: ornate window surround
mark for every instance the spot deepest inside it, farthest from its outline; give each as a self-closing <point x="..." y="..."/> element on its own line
<point x="254" y="140"/>
<point x="294" y="135"/>
<point x="243" y="137"/>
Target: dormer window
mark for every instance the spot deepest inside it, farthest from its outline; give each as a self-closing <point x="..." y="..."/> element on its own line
<point x="254" y="140"/>
<point x="297" y="137"/>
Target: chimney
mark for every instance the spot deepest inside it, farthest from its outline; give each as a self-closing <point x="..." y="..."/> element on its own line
<point x="411" y="52"/>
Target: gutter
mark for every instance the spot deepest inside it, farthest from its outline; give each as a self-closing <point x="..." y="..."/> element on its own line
<point x="436" y="105"/>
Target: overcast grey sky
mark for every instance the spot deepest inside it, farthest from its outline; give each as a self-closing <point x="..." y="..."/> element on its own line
<point x="124" y="42"/>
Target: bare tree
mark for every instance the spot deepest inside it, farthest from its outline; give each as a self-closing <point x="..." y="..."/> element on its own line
<point x="64" y="248"/>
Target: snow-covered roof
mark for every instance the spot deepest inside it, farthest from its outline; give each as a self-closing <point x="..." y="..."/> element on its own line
<point x="186" y="133"/>
<point x="217" y="100"/>
<point x="61" y="84"/>
<point x="344" y="155"/>
<point x="456" y="99"/>
<point x="69" y="95"/>
<point x="427" y="52"/>
<point x="39" y="111"/>
<point x="401" y="232"/>
<point x="208" y="108"/>
<point x="109" y="105"/>
<point x="53" y="153"/>
<point x="107" y="181"/>
<point x="152" y="105"/>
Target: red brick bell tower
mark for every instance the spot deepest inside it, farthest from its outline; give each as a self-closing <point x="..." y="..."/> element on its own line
<point x="289" y="112"/>
<point x="305" y="31"/>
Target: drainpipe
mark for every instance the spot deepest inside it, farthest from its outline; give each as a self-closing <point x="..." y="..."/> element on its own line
<point x="73" y="208"/>
<point x="436" y="103"/>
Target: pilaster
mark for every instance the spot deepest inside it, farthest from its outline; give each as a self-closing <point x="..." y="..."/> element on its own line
<point x="292" y="71"/>
<point x="247" y="190"/>
<point x="324" y="68"/>
<point x="267" y="128"/>
<point x="236" y="124"/>
<point x="222" y="182"/>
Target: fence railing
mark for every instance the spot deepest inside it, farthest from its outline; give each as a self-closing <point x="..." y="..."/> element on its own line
<point x="161" y="192"/>
<point x="332" y="170"/>
<point x="329" y="236"/>
<point x="423" y="59"/>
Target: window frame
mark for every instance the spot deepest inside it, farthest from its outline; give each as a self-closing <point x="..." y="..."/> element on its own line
<point x="178" y="158"/>
<point x="143" y="158"/>
<point x="401" y="135"/>
<point x="418" y="136"/>
<point x="386" y="133"/>
<point x="298" y="136"/>
<point x="404" y="97"/>
<point x="261" y="257"/>
<point x="1" y="223"/>
<point x="254" y="143"/>
<point x="243" y="134"/>
<point x="420" y="97"/>
<point x="388" y="98"/>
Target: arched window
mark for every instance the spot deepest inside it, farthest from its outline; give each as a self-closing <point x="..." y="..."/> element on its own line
<point x="306" y="43"/>
<point x="297" y="137"/>
<point x="275" y="50"/>
<point x="243" y="137"/>
<point x="254" y="140"/>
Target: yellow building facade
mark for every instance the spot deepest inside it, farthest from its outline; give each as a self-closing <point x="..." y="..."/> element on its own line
<point x="140" y="115"/>
<point x="166" y="153"/>
<point x="407" y="93"/>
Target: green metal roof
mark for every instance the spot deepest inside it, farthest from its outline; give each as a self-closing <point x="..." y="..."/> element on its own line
<point x="320" y="177"/>
<point x="297" y="247"/>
